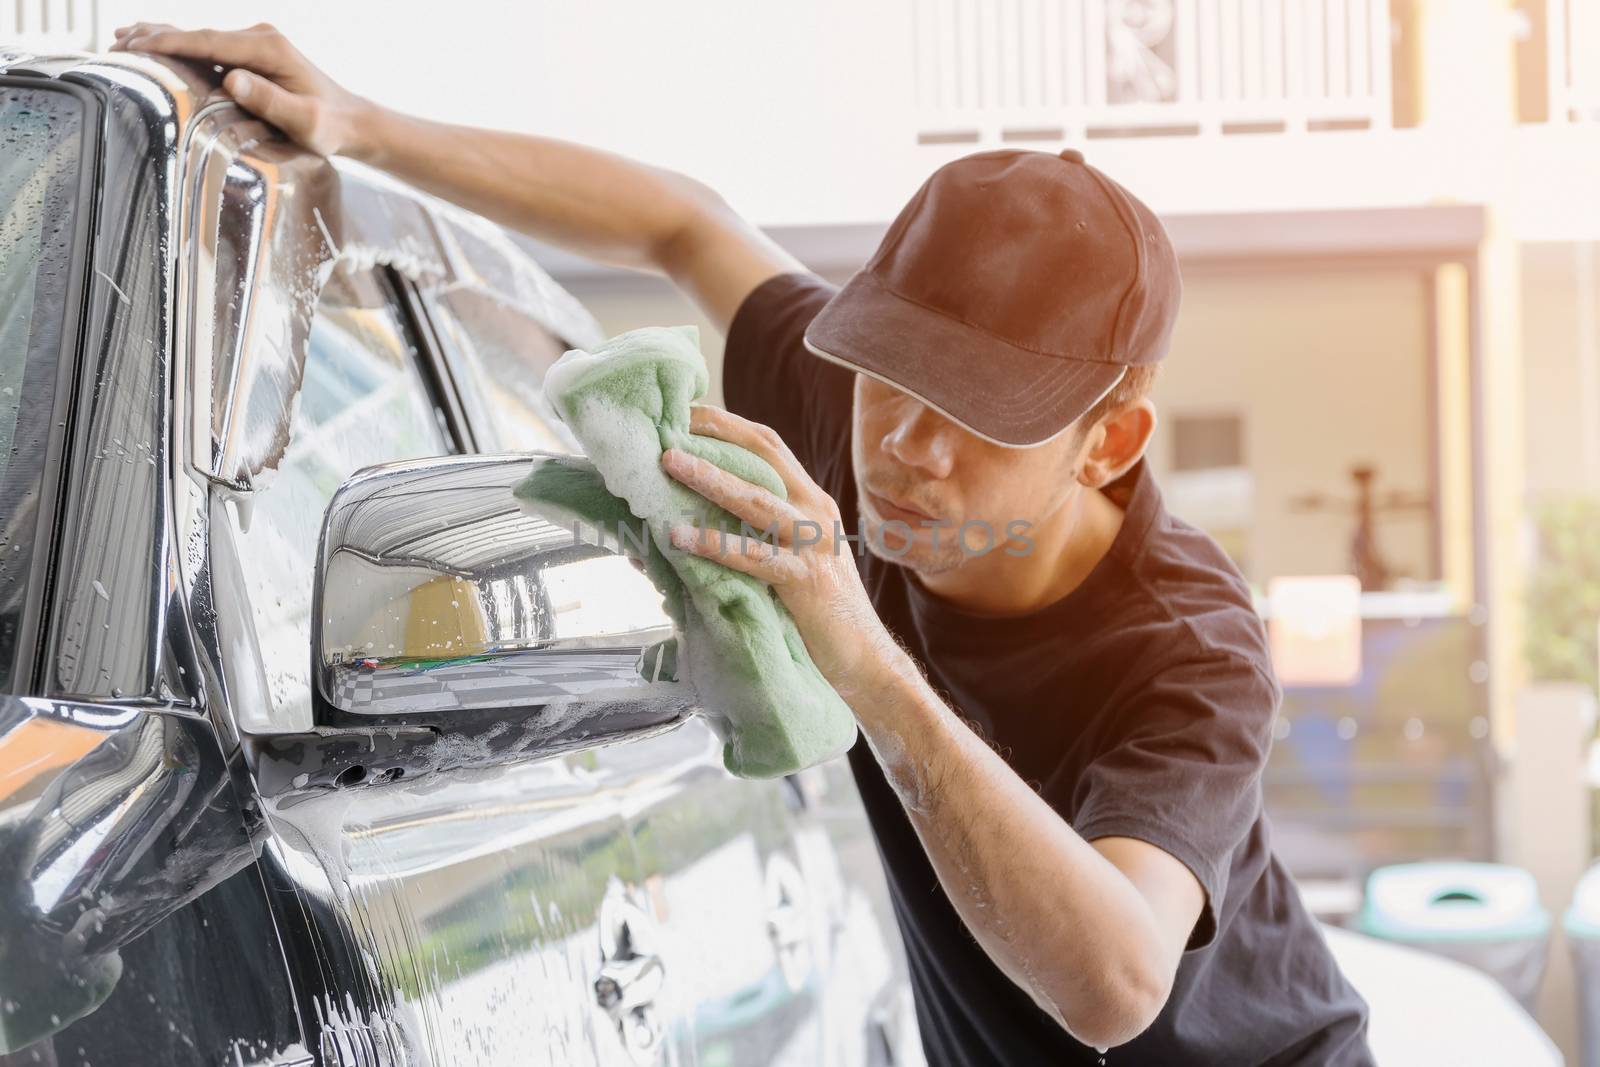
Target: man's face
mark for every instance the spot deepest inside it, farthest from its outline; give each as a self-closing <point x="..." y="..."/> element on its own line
<point x="916" y="467"/>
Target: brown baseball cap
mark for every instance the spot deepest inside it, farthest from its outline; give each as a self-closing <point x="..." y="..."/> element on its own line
<point x="1010" y="295"/>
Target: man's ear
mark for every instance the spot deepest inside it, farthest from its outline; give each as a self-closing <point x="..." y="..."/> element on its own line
<point x="1117" y="442"/>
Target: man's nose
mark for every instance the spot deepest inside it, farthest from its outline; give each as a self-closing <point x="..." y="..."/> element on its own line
<point x="923" y="439"/>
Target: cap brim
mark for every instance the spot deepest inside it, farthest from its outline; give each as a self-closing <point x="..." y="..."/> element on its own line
<point x="1004" y="394"/>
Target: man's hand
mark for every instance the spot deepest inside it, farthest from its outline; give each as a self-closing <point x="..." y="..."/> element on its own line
<point x="809" y="564"/>
<point x="1091" y="931"/>
<point x="590" y="202"/>
<point x="270" y="79"/>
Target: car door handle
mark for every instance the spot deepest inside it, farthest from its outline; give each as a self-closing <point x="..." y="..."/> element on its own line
<point x="631" y="975"/>
<point x="626" y="985"/>
<point x="786" y="925"/>
<point x="789" y="920"/>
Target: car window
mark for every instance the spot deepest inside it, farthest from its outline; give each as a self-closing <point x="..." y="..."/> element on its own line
<point x="502" y="355"/>
<point x="42" y="133"/>
<point x="363" y="400"/>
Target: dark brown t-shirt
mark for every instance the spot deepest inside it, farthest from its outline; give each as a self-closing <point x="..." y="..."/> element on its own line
<point x="1139" y="705"/>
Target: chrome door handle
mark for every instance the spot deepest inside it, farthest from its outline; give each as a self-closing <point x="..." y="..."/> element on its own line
<point x="631" y="975"/>
<point x="788" y="920"/>
<point x="625" y="985"/>
<point x="786" y="925"/>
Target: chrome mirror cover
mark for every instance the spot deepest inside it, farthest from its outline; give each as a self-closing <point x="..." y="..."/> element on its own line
<point x="437" y="595"/>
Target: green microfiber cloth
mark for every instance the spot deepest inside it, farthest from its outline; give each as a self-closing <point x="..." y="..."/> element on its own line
<point x="734" y="641"/>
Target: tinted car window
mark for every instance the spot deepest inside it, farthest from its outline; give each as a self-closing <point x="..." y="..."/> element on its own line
<point x="40" y="150"/>
<point x="506" y="354"/>
<point x="363" y="401"/>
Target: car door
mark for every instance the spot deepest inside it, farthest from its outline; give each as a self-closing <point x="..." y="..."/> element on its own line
<point x="779" y="942"/>
<point x="439" y="902"/>
<point x="445" y="917"/>
<point x="705" y="843"/>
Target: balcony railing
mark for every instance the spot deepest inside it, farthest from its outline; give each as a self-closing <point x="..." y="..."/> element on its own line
<point x="50" y="25"/>
<point x="1573" y="41"/>
<point x="1057" y="70"/>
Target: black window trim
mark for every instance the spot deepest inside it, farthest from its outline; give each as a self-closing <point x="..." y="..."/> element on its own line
<point x="434" y="361"/>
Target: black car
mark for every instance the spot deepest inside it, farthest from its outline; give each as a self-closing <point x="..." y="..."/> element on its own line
<point x="313" y="747"/>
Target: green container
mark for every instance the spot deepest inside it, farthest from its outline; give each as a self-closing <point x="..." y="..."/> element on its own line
<point x="1486" y="915"/>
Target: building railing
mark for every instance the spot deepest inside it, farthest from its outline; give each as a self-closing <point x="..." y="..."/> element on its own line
<point x="50" y="25"/>
<point x="1572" y="29"/>
<point x="1060" y="70"/>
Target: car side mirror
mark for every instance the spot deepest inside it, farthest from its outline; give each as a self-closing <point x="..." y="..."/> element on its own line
<point x="437" y="596"/>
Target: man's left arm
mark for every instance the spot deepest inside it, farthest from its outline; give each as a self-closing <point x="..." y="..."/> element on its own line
<point x="1093" y="932"/>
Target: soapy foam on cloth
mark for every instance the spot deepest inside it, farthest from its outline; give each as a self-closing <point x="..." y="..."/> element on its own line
<point x="736" y="644"/>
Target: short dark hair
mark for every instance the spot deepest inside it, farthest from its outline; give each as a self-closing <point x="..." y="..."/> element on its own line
<point x="1139" y="380"/>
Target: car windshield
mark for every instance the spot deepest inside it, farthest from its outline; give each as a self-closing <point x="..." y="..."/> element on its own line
<point x="40" y="141"/>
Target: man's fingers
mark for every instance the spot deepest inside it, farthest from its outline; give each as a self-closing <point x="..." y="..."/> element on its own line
<point x="762" y="440"/>
<point x="743" y="554"/>
<point x="293" y="114"/>
<point x="261" y="48"/>
<point x="134" y="31"/>
<point x="757" y="507"/>
<point x="269" y="79"/>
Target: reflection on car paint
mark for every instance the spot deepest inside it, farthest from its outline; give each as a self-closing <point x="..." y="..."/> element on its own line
<point x="394" y="893"/>
<point x="113" y="820"/>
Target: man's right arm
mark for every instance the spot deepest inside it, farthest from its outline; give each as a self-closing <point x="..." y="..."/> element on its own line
<point x="595" y="203"/>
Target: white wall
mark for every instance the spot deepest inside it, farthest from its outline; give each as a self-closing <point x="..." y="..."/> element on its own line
<point x="806" y="113"/>
<point x="1561" y="361"/>
<point x="1329" y="369"/>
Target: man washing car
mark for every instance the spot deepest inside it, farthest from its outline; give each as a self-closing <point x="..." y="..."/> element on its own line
<point x="1064" y="724"/>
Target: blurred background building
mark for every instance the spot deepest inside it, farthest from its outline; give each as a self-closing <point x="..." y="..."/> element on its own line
<point x="1384" y="396"/>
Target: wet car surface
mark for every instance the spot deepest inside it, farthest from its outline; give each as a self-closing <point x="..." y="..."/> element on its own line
<point x="301" y="765"/>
